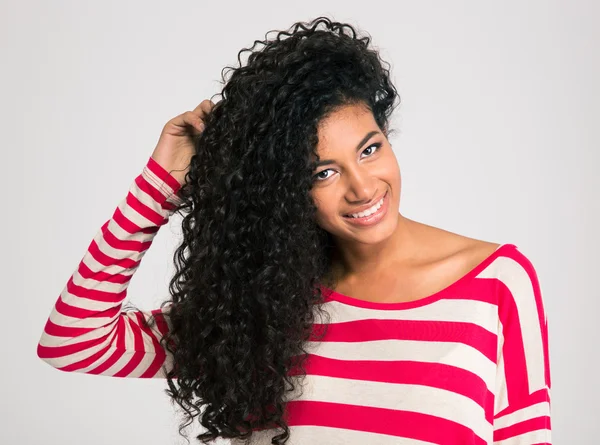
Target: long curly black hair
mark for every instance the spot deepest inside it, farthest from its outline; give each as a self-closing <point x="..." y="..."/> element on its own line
<point x="246" y="290"/>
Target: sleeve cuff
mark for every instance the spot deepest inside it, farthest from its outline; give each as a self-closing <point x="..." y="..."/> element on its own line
<point x="164" y="182"/>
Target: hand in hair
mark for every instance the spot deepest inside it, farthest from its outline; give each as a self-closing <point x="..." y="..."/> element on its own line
<point x="175" y="146"/>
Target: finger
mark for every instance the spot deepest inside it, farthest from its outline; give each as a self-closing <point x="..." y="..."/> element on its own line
<point x="207" y="106"/>
<point x="204" y="108"/>
<point x="193" y="120"/>
<point x="198" y="108"/>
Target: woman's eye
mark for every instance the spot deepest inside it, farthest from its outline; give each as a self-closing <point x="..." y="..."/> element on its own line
<point x="377" y="144"/>
<point x="320" y="178"/>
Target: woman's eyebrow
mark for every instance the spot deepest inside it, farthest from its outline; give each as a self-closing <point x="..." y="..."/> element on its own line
<point x="360" y="144"/>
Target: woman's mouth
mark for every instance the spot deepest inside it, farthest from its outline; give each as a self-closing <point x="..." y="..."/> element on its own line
<point x="379" y="211"/>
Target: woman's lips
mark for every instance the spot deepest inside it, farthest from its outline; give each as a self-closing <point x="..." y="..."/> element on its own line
<point x="373" y="218"/>
<point x="383" y="196"/>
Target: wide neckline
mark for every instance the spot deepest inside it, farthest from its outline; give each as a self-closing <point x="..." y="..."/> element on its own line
<point x="332" y="295"/>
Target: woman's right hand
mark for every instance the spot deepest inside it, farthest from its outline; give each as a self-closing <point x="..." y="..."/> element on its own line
<point x="175" y="147"/>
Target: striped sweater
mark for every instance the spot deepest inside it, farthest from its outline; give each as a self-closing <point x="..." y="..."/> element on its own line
<point x="466" y="365"/>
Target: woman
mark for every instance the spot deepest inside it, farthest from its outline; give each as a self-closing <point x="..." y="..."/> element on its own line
<point x="305" y="308"/>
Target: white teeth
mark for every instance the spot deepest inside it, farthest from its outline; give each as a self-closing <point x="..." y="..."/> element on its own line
<point x="368" y="211"/>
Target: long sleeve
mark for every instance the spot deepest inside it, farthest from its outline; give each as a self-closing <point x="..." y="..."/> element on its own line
<point x="87" y="331"/>
<point x="522" y="399"/>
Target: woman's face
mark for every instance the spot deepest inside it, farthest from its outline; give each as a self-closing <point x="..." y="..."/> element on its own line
<point x="357" y="167"/>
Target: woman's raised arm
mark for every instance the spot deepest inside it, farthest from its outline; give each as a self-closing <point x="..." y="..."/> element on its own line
<point x="87" y="331"/>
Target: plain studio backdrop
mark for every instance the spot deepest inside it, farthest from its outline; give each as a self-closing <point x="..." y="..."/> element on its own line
<point x="497" y="139"/>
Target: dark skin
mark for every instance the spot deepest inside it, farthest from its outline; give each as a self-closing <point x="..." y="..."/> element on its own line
<point x="398" y="259"/>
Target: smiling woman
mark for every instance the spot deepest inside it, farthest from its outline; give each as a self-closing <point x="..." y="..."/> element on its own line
<point x="305" y="307"/>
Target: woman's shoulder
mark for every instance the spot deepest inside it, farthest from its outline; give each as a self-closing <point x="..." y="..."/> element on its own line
<point x="462" y="254"/>
<point x="506" y="263"/>
<point x="446" y="245"/>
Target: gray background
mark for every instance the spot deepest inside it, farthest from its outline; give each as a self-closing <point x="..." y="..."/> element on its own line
<point x="497" y="139"/>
